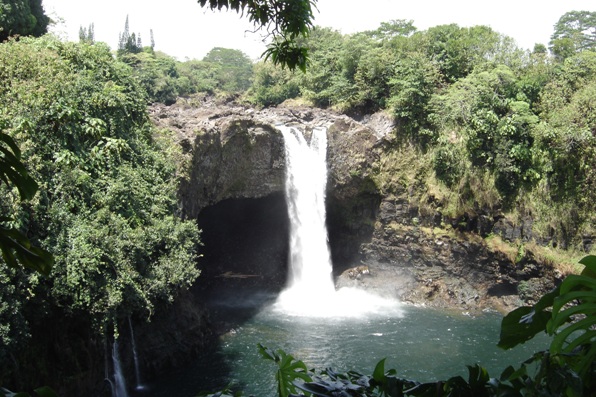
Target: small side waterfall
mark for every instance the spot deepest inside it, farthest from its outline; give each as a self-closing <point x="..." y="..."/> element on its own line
<point x="119" y="385"/>
<point x="311" y="291"/>
<point x="135" y="357"/>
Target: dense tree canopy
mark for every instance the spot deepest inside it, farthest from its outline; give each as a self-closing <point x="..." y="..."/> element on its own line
<point x="22" y="17"/>
<point x="233" y="69"/>
<point x="498" y="124"/>
<point x="106" y="205"/>
<point x="574" y="32"/>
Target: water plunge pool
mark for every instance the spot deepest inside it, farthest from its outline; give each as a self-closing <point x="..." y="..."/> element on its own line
<point x="421" y="344"/>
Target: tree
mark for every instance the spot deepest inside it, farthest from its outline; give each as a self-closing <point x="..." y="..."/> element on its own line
<point x="574" y="32"/>
<point x="324" y="82"/>
<point x="129" y="43"/>
<point x="234" y="69"/>
<point x="415" y="79"/>
<point x="485" y="112"/>
<point x="87" y="35"/>
<point x="284" y="20"/>
<point x="459" y="50"/>
<point x="393" y="28"/>
<point x="22" y="17"/>
<point x="272" y="85"/>
<point x="567" y="143"/>
<point x="539" y="49"/>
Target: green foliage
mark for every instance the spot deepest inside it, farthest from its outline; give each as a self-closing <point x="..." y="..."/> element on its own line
<point x="414" y="80"/>
<point x="15" y="246"/>
<point x="197" y="76"/>
<point x="224" y="71"/>
<point x="570" y="322"/>
<point x="458" y="51"/>
<point x="579" y="292"/>
<point x="106" y="205"/>
<point x="574" y="32"/>
<point x="272" y="85"/>
<point x="23" y="18"/>
<point x="157" y="73"/>
<point x="288" y="372"/>
<point x="18" y="249"/>
<point x="448" y="161"/>
<point x="39" y="392"/>
<point x="324" y="84"/>
<point x="12" y="170"/>
<point x="476" y="106"/>
<point x="287" y="53"/>
<point x="232" y="71"/>
<point x="565" y="145"/>
<point x="129" y="43"/>
<point x="393" y="28"/>
<point x="495" y="121"/>
<point x="87" y="35"/>
<point x="372" y="78"/>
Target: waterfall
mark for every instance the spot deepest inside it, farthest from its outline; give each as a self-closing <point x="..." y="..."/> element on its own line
<point x="135" y="357"/>
<point x="119" y="385"/>
<point x="310" y="290"/>
<point x="306" y="181"/>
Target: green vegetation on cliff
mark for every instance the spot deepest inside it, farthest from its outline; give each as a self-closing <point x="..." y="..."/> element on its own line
<point x="106" y="206"/>
<point x="490" y="128"/>
<point x="487" y="126"/>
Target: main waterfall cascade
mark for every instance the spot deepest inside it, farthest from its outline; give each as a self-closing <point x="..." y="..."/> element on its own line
<point x="311" y="291"/>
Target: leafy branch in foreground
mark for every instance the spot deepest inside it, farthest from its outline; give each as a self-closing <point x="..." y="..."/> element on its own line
<point x="16" y="247"/>
<point x="289" y="370"/>
<point x="574" y="303"/>
<point x="285" y="20"/>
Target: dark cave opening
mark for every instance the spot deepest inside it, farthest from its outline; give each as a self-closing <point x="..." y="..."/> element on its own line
<point x="245" y="246"/>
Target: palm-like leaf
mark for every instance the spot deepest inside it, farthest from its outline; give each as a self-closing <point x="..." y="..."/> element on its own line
<point x="573" y="303"/>
<point x="15" y="246"/>
<point x="288" y="372"/>
<point x="12" y="170"/>
<point x="576" y="304"/>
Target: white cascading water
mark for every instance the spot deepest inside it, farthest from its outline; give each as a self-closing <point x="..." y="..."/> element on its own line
<point x="135" y="356"/>
<point x="119" y="385"/>
<point x="311" y="291"/>
<point x="306" y="168"/>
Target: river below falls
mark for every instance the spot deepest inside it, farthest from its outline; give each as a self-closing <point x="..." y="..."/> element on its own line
<point x="420" y="343"/>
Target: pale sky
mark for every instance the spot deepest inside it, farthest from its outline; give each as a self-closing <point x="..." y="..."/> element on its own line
<point x="181" y="28"/>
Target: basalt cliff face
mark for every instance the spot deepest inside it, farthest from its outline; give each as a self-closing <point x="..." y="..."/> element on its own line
<point x="234" y="188"/>
<point x="233" y="185"/>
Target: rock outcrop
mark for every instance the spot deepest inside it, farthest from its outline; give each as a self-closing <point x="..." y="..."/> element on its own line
<point x="236" y="153"/>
